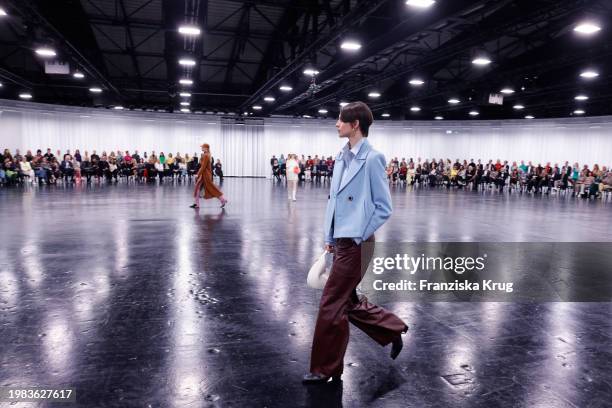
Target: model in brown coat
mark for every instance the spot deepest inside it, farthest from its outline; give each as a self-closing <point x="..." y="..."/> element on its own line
<point x="204" y="181"/>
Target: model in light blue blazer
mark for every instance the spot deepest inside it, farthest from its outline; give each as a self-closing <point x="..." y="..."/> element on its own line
<point x="362" y="203"/>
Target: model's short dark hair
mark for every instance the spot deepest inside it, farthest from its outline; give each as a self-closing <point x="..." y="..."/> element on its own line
<point x="357" y="111"/>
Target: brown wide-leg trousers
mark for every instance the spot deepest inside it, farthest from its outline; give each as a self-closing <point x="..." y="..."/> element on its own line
<point x="340" y="304"/>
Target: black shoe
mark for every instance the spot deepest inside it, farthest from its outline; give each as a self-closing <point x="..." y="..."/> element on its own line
<point x="311" y="378"/>
<point x="193" y="206"/>
<point x="397" y="344"/>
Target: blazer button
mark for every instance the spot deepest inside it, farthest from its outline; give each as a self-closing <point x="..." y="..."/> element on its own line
<point x="350" y="198"/>
<point x="328" y="196"/>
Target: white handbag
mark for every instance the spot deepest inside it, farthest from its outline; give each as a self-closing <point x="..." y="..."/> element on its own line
<point x="319" y="271"/>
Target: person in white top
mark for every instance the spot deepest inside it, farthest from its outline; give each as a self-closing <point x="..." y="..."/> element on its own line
<point x="26" y="169"/>
<point x="293" y="171"/>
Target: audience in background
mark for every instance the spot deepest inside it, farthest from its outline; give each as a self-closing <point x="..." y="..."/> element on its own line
<point x="474" y="175"/>
<point x="50" y="168"/>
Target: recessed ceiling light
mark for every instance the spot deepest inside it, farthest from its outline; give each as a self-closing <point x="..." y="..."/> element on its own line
<point x="350" y="45"/>
<point x="95" y="90"/>
<point x="454" y="101"/>
<point x="256" y="107"/>
<point x="343" y="104"/>
<point x="518" y="107"/>
<point x="187" y="62"/>
<point x="507" y="91"/>
<point x="186" y="81"/>
<point x="587" y="28"/>
<point x="78" y="75"/>
<point x="25" y="95"/>
<point x="189" y="30"/>
<point x="185" y="103"/>
<point x="1" y="84"/>
<point x="385" y="115"/>
<point x="306" y="116"/>
<point x="589" y="74"/>
<point x="185" y="94"/>
<point x="581" y="98"/>
<point x="269" y="99"/>
<point x="323" y="111"/>
<point x="374" y="94"/>
<point x="2" y="12"/>
<point x="185" y="110"/>
<point x="46" y="52"/>
<point x="311" y="72"/>
<point x="579" y="112"/>
<point x="529" y="117"/>
<point x="481" y="61"/>
<point x="420" y="3"/>
<point x="415" y="109"/>
<point x="118" y="107"/>
<point x="474" y="113"/>
<point x="439" y="118"/>
<point x="416" y="82"/>
<point x="286" y="88"/>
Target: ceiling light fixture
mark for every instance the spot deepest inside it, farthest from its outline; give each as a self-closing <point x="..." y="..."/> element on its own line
<point x="579" y="112"/>
<point x="481" y="61"/>
<point x="46" y="52"/>
<point x="185" y="103"/>
<point x="385" y="115"/>
<point x="187" y="62"/>
<point x="322" y="111"/>
<point x="3" y="12"/>
<point x="587" y="28"/>
<point x="529" y="117"/>
<point x="439" y="118"/>
<point x="311" y="72"/>
<point x="257" y="107"/>
<point x="189" y="30"/>
<point x="454" y="101"/>
<point x="118" y="107"/>
<point x="269" y="99"/>
<point x="286" y="88"/>
<point x="474" y="113"/>
<point x="589" y="74"/>
<point x="415" y="109"/>
<point x="186" y="81"/>
<point x="416" y="82"/>
<point x="374" y="94"/>
<point x="95" y="90"/>
<point x="350" y="45"/>
<point x="581" y="98"/>
<point x="25" y="95"/>
<point x="185" y="94"/>
<point x="185" y="110"/>
<point x="507" y="91"/>
<point x="343" y="104"/>
<point x="420" y="3"/>
<point x="518" y="107"/>
<point x="78" y="75"/>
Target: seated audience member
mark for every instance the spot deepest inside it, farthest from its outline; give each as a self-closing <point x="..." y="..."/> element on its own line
<point x="67" y="168"/>
<point x="26" y="170"/>
<point x="219" y="169"/>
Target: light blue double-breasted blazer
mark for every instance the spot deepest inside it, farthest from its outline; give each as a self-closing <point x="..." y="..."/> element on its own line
<point x="361" y="203"/>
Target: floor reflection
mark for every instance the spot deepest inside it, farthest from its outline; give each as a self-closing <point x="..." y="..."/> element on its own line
<point x="137" y="300"/>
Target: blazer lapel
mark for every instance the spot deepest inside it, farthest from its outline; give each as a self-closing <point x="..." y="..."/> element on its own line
<point x="356" y="165"/>
<point x="338" y="169"/>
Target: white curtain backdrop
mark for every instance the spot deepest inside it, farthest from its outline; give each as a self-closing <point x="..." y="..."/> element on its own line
<point x="245" y="149"/>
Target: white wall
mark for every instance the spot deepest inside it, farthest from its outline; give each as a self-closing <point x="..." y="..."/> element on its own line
<point x="245" y="150"/>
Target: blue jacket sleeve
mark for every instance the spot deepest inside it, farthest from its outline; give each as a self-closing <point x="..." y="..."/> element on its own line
<point x="381" y="197"/>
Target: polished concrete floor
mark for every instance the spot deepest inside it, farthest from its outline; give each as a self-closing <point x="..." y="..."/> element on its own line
<point x="136" y="300"/>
